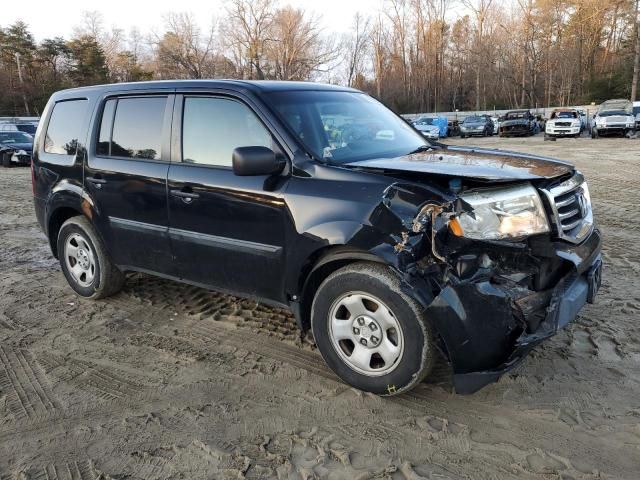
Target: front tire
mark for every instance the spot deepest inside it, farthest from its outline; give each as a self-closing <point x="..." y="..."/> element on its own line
<point x="370" y="333"/>
<point x="84" y="260"/>
<point x="6" y="160"/>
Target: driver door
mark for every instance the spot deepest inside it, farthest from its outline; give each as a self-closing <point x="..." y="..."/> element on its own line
<point x="226" y="231"/>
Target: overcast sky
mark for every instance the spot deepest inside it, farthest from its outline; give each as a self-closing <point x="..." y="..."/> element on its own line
<point x="51" y="18"/>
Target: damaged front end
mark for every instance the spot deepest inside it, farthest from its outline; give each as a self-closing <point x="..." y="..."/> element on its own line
<point x="490" y="300"/>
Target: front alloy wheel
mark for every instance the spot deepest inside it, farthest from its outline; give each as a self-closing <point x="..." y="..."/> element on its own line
<point x="370" y="332"/>
<point x="365" y="333"/>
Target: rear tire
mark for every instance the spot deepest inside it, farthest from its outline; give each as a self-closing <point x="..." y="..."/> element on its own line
<point x="6" y="160"/>
<point x="84" y="260"/>
<point x="349" y="308"/>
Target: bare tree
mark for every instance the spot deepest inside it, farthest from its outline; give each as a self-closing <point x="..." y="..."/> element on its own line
<point x="480" y="9"/>
<point x="298" y="48"/>
<point x="183" y="51"/>
<point x="248" y="33"/>
<point x="356" y="47"/>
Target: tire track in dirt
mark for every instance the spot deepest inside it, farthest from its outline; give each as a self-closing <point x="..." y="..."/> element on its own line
<point x="28" y="390"/>
<point x="89" y="377"/>
<point x="77" y="470"/>
<point x="423" y="399"/>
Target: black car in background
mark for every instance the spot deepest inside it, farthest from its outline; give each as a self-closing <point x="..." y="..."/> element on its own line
<point x="479" y="125"/>
<point x="387" y="247"/>
<point x="517" y="123"/>
<point x="15" y="148"/>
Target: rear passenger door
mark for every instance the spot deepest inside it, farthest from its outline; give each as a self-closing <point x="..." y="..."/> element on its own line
<point x="226" y="231"/>
<point x="126" y="175"/>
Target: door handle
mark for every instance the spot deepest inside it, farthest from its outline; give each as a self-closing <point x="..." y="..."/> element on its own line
<point x="98" y="182"/>
<point x="186" y="197"/>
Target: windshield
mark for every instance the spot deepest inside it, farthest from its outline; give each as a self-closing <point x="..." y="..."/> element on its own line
<point x="424" y="121"/>
<point x="473" y="119"/>
<point x="27" y="127"/>
<point x="15" y="137"/>
<point x="565" y="115"/>
<point x="516" y="115"/>
<point x="344" y="127"/>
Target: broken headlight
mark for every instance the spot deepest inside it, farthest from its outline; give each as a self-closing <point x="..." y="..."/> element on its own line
<point x="511" y="212"/>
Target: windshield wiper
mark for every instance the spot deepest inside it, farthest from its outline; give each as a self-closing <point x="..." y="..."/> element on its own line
<point x="422" y="148"/>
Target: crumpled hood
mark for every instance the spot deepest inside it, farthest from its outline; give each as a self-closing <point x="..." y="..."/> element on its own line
<point x="515" y="121"/>
<point x="481" y="164"/>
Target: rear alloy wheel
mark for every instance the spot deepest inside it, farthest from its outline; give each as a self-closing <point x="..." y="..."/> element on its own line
<point x="370" y="333"/>
<point x="80" y="260"/>
<point x="84" y="261"/>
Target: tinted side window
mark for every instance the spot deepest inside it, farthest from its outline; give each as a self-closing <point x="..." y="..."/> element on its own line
<point x="213" y="127"/>
<point x="137" y="128"/>
<point x="64" y="127"/>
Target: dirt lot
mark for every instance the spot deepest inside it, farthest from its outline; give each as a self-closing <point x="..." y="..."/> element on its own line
<point x="170" y="381"/>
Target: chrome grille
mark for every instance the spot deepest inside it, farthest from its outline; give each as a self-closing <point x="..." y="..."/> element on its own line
<point x="616" y="119"/>
<point x="570" y="205"/>
<point x="563" y="124"/>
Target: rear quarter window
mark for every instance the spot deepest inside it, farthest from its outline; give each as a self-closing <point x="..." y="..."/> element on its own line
<point x="65" y="126"/>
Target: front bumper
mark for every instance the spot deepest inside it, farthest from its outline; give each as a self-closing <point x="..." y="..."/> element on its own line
<point x="488" y="328"/>
<point x="562" y="131"/>
<point x="23" y="159"/>
<point x="514" y="130"/>
<point x="473" y="132"/>
<point x="431" y="135"/>
<point x="613" y="128"/>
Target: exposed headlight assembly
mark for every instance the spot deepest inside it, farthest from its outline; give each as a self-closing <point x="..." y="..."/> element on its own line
<point x="505" y="213"/>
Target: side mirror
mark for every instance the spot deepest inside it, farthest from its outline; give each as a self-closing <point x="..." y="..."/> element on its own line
<point x="249" y="161"/>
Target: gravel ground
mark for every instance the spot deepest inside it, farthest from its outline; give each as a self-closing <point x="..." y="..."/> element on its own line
<point x="170" y="381"/>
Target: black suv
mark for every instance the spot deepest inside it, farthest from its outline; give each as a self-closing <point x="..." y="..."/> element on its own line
<point x="517" y="123"/>
<point x="319" y="199"/>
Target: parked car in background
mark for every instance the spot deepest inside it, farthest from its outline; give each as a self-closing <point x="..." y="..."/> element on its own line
<point x="636" y="114"/>
<point x="395" y="252"/>
<point x="614" y="117"/>
<point x="15" y="148"/>
<point x="476" y="125"/>
<point x="563" y="122"/>
<point x="26" y="127"/>
<point x="427" y="127"/>
<point x="517" y="123"/>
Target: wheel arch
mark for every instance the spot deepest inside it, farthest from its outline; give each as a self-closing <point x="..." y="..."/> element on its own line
<point x="320" y="265"/>
<point x="67" y="199"/>
<point x="55" y="221"/>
